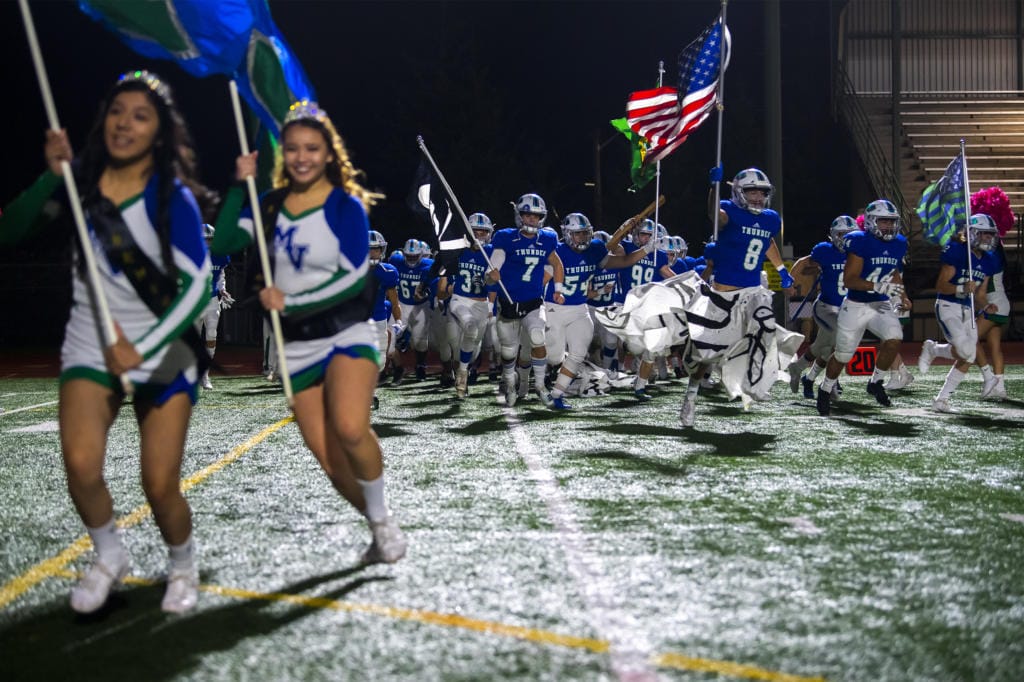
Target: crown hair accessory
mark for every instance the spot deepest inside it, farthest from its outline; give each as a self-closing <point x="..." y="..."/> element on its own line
<point x="151" y="80"/>
<point x="305" y="108"/>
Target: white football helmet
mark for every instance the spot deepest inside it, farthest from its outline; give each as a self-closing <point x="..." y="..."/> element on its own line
<point x="413" y="252"/>
<point x="882" y="209"/>
<point x="377" y="241"/>
<point x="602" y="235"/>
<point x="530" y="204"/>
<point x="748" y="179"/>
<point x="647" y="228"/>
<point x="208" y="231"/>
<point x="682" y="247"/>
<point x="984" y="233"/>
<point x="482" y="227"/>
<point x="841" y="226"/>
<point x="577" y="231"/>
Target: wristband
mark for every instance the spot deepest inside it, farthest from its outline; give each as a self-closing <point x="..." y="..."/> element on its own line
<point x="558" y="287"/>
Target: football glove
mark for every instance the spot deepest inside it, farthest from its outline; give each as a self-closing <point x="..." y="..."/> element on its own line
<point x="890" y="289"/>
<point x="785" y="279"/>
<point x="226" y="299"/>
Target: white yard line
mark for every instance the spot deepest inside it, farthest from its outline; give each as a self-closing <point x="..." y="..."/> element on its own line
<point x="30" y="407"/>
<point x="629" y="649"/>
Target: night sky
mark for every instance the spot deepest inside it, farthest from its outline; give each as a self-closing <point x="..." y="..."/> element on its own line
<point x="510" y="97"/>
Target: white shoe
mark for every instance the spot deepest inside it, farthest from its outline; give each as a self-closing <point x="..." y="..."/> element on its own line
<point x="461" y="383"/>
<point x="708" y="382"/>
<point x="545" y="397"/>
<point x="940" y="405"/>
<point x="998" y="391"/>
<point x="272" y="376"/>
<point x="688" y="412"/>
<point x="206" y="381"/>
<point x="388" y="544"/>
<point x="924" y="361"/>
<point x="988" y="385"/>
<point x="182" y="590"/>
<point x="899" y="379"/>
<point x="91" y="592"/>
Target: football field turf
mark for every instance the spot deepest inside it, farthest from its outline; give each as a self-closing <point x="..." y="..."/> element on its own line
<point x="605" y="543"/>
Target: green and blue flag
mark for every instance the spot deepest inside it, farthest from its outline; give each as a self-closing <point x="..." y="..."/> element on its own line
<point x="943" y="205"/>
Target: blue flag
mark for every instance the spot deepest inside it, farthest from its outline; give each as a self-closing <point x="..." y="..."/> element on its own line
<point x="236" y="38"/>
<point x="943" y="207"/>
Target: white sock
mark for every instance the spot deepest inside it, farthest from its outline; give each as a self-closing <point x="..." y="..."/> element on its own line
<point x="640" y="383"/>
<point x="878" y="374"/>
<point x="107" y="540"/>
<point x="693" y="388"/>
<point x="953" y="380"/>
<point x="182" y="556"/>
<point x="540" y="366"/>
<point x="211" y="351"/>
<point x="561" y="385"/>
<point x="814" y="371"/>
<point x="373" y="493"/>
<point x="944" y="350"/>
<point x="827" y="384"/>
<point x="986" y="372"/>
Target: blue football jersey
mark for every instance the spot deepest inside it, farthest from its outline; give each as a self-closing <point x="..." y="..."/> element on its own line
<point x="598" y="282"/>
<point x="218" y="263"/>
<point x="832" y="262"/>
<point x="743" y="244"/>
<point x="955" y="254"/>
<point x="468" y="279"/>
<point x="579" y="268"/>
<point x="881" y="260"/>
<point x="387" y="278"/>
<point x="409" y="277"/>
<point x="522" y="273"/>
<point x="646" y="270"/>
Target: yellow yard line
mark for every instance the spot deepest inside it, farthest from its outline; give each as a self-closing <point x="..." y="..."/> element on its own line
<point x="597" y="646"/>
<point x="16" y="587"/>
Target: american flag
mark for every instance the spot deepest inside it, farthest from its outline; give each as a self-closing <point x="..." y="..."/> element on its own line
<point x="660" y="116"/>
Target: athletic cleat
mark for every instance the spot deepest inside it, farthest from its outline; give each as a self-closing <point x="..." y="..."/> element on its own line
<point x="559" y="404"/>
<point x="927" y="357"/>
<point x="876" y="389"/>
<point x="708" y="381"/>
<point x="642" y="395"/>
<point x="461" y="384"/>
<point x="941" y="405"/>
<point x="898" y="379"/>
<point x="388" y="544"/>
<point x="544" y="396"/>
<point x="688" y="412"/>
<point x="182" y="590"/>
<point x="824" y="403"/>
<point x="421" y="372"/>
<point x="837" y="390"/>
<point x="447" y="380"/>
<point x="808" y="385"/>
<point x="272" y="376"/>
<point x="206" y="381"/>
<point x="91" y="592"/>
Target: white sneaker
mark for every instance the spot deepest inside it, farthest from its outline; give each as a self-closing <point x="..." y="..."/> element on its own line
<point x="91" y="592"/>
<point x="461" y="383"/>
<point x="206" y="381"/>
<point x="940" y="405"/>
<point x="988" y="385"/>
<point x="924" y="361"/>
<point x="182" y="590"/>
<point x="998" y="391"/>
<point x="688" y="412"/>
<point x="899" y="379"/>
<point x="388" y="544"/>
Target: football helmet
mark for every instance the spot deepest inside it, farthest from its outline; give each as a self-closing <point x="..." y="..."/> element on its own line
<point x="681" y="247"/>
<point x="841" y="226"/>
<point x="482" y="227"/>
<point x="751" y="179"/>
<point x="377" y="241"/>
<point x="882" y="209"/>
<point x="208" y="231"/>
<point x="647" y="228"/>
<point x="413" y="252"/>
<point x="530" y="204"/>
<point x="577" y="231"/>
<point x="984" y="233"/>
<point x="603" y="236"/>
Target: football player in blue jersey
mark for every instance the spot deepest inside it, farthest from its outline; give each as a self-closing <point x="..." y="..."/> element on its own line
<point x="828" y="258"/>
<point x="220" y="299"/>
<point x="958" y="282"/>
<point x="386" y="304"/>
<point x="570" y="327"/>
<point x="471" y="303"/>
<point x="519" y="256"/>
<point x="872" y="275"/>
<point x="604" y="290"/>
<point x="413" y="263"/>
<point x="746" y="237"/>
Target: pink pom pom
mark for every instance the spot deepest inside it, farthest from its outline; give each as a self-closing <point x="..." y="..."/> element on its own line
<point x="994" y="202"/>
<point x="860" y="221"/>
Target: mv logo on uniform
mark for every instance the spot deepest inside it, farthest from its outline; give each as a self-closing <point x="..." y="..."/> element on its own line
<point x="285" y="241"/>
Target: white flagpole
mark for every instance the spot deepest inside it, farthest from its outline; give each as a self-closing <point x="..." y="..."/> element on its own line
<point x="458" y="207"/>
<point x="967" y="225"/>
<point x="261" y="246"/>
<point x="109" y="332"/>
<point x="657" y="164"/>
<point x="720" y="105"/>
